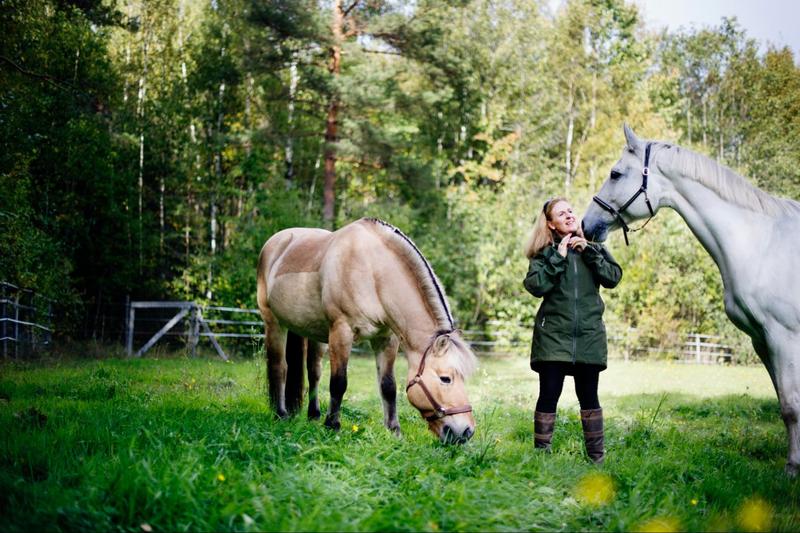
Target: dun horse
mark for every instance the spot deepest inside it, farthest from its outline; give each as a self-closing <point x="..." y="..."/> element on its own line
<point x="365" y="281"/>
<point x="753" y="238"/>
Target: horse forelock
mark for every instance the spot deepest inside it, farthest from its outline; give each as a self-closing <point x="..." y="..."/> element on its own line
<point x="729" y="185"/>
<point x="457" y="353"/>
<point x="431" y="286"/>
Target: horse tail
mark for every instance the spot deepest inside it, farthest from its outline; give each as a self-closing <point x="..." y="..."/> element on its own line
<point x="295" y="371"/>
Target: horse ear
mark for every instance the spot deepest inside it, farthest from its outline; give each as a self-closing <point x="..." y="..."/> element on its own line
<point x="630" y="137"/>
<point x="441" y="343"/>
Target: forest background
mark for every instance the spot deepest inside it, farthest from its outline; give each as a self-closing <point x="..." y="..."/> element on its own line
<point x="150" y="147"/>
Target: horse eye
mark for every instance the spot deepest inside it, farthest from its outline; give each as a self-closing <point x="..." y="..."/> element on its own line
<point x="615" y="175"/>
<point x="445" y="379"/>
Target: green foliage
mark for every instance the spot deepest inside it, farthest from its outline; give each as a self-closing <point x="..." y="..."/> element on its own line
<point x="150" y="148"/>
<point x="189" y="444"/>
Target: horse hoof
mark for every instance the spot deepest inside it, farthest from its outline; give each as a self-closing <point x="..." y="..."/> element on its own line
<point x="282" y="414"/>
<point x="314" y="414"/>
<point x="792" y="469"/>
<point x="333" y="424"/>
<point x="395" y="429"/>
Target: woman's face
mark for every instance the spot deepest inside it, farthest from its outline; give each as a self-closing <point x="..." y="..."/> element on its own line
<point x="562" y="221"/>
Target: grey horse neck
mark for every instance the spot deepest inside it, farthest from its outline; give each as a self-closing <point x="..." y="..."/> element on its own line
<point x="731" y="218"/>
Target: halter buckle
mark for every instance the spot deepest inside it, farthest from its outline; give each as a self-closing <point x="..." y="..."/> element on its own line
<point x="617" y="213"/>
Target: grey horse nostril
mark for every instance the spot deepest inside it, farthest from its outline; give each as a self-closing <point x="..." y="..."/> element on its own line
<point x="468" y="434"/>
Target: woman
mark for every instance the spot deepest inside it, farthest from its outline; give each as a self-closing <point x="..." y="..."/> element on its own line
<point x="569" y="337"/>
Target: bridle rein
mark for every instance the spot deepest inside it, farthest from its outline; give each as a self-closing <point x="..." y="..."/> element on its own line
<point x="617" y="214"/>
<point x="438" y="411"/>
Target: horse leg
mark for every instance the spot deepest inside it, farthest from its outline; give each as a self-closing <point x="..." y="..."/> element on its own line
<point x="340" y="340"/>
<point x="386" y="353"/>
<point x="786" y="378"/>
<point x="314" y="367"/>
<point x="295" y="372"/>
<point x="275" y="346"/>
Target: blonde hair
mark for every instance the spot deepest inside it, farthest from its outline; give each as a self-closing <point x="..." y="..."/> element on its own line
<point x="542" y="236"/>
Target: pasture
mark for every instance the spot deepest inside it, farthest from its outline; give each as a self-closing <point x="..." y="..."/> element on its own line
<point x="171" y="443"/>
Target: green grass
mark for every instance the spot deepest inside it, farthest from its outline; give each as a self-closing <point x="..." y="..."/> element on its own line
<point x="189" y="444"/>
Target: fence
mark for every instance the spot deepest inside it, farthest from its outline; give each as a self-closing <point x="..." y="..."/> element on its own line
<point x="25" y="321"/>
<point x="499" y="338"/>
<point x="198" y="322"/>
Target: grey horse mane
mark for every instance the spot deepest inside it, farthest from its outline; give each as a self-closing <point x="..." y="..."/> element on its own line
<point x="431" y="286"/>
<point x="729" y="185"/>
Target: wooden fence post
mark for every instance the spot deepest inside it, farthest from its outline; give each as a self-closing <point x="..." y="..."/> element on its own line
<point x="698" y="356"/>
<point x="129" y="341"/>
<point x="16" y="325"/>
<point x="194" y="330"/>
<point x="3" y="314"/>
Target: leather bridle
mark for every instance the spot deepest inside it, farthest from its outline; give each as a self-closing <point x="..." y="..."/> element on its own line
<point x="437" y="411"/>
<point x="617" y="214"/>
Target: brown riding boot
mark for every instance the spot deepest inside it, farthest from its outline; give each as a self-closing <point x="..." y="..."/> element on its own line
<point x="592" y="422"/>
<point x="543" y="425"/>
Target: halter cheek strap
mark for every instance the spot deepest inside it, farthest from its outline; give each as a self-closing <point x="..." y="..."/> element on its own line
<point x="617" y="214"/>
<point x="437" y="410"/>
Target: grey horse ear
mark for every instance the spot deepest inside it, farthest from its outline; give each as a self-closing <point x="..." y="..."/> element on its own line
<point x="630" y="138"/>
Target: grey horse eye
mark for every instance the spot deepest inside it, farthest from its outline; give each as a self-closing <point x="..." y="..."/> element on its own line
<point x="445" y="379"/>
<point x="615" y="175"/>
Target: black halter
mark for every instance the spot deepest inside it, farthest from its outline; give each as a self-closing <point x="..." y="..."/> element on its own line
<point x="617" y="214"/>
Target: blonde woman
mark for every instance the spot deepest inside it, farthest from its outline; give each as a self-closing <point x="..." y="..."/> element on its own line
<point x="569" y="337"/>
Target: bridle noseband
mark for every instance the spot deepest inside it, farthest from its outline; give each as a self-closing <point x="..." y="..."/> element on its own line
<point x="617" y="214"/>
<point x="438" y="411"/>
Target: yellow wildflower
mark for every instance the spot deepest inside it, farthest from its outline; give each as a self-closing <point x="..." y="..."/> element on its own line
<point x="663" y="524"/>
<point x="221" y="477"/>
<point x="355" y="428"/>
<point x="595" y="489"/>
<point x="755" y="515"/>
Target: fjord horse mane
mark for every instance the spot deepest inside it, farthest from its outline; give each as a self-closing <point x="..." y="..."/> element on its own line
<point x="725" y="182"/>
<point x="430" y="284"/>
<point x="463" y="360"/>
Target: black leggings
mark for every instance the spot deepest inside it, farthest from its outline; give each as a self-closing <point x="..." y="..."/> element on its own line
<point x="551" y="382"/>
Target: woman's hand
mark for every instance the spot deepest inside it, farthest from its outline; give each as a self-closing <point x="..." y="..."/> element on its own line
<point x="562" y="246"/>
<point x="577" y="243"/>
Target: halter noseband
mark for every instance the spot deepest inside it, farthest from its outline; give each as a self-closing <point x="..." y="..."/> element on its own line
<point x="617" y="214"/>
<point x="438" y="411"/>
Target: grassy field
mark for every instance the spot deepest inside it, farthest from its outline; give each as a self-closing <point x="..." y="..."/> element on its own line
<point x="171" y="443"/>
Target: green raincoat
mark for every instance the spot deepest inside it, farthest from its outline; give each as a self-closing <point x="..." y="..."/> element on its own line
<point x="569" y="323"/>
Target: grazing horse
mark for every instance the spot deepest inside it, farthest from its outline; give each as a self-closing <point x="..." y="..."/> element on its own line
<point x="752" y="236"/>
<point x="365" y="281"/>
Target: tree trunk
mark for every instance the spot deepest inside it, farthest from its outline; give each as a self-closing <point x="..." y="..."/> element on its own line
<point x="140" y="111"/>
<point x="331" y="124"/>
<point x="289" y="157"/>
<point x="705" y="121"/>
<point x="213" y="232"/>
<point x="568" y="143"/>
<point x="689" y="120"/>
<point x="161" y="190"/>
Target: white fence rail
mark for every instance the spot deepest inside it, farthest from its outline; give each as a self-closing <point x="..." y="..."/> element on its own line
<point x="25" y="320"/>
<point x="498" y="339"/>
